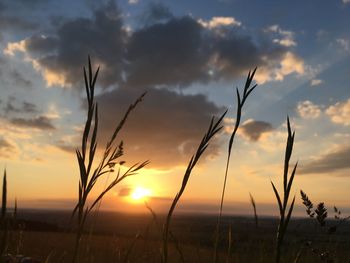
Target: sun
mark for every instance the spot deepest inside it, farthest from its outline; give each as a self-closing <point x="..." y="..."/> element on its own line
<point x="140" y="193"/>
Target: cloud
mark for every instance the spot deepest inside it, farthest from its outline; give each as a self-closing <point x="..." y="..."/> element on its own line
<point x="6" y="148"/>
<point x="330" y="162"/>
<point x="13" y="22"/>
<point x="4" y="143"/>
<point x="24" y="107"/>
<point x="219" y="21"/>
<point x="155" y="12"/>
<point x="307" y="110"/>
<point x="60" y="57"/>
<point x="125" y="191"/>
<point x="287" y="64"/>
<point x="254" y="129"/>
<point x="172" y="123"/>
<point x="340" y="113"/>
<point x="290" y="64"/>
<point x="346" y="1"/>
<point x="343" y="43"/>
<point x="13" y="47"/>
<point x="133" y="2"/>
<point x="19" y="80"/>
<point x="40" y="122"/>
<point x="67" y="148"/>
<point x="316" y="82"/>
<point x="168" y="52"/>
<point x="284" y="37"/>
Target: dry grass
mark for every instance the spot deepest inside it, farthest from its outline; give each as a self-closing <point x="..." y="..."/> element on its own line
<point x="248" y="89"/>
<point x="86" y="156"/>
<point x="3" y="221"/>
<point x="283" y="203"/>
<point x="213" y="129"/>
<point x="252" y="201"/>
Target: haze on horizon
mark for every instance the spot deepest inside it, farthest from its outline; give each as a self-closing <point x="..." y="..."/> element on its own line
<point x="189" y="57"/>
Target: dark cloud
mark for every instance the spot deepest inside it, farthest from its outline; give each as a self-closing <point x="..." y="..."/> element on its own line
<point x="16" y="23"/>
<point x="12" y="21"/>
<point x="40" y="122"/>
<point x="32" y="3"/>
<point x="172" y="123"/>
<point x="169" y="52"/>
<point x="102" y="37"/>
<point x="42" y="44"/>
<point x="328" y="163"/>
<point x="155" y="12"/>
<point x="254" y="129"/>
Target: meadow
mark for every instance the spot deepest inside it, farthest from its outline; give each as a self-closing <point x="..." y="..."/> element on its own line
<point x="87" y="234"/>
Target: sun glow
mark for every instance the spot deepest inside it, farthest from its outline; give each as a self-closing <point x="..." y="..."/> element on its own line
<point x="140" y="193"/>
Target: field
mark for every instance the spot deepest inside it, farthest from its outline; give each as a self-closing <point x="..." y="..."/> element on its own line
<point x="136" y="238"/>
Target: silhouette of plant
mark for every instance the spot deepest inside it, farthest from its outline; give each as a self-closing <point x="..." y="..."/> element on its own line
<point x="283" y="203"/>
<point x="108" y="162"/>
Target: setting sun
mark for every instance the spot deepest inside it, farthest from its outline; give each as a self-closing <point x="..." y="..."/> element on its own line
<point x="140" y="193"/>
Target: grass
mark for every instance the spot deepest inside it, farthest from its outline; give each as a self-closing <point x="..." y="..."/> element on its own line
<point x="3" y="221"/>
<point x="284" y="211"/>
<point x="4" y="197"/>
<point x="248" y="89"/>
<point x="252" y="201"/>
<point x="107" y="164"/>
<point x="213" y="129"/>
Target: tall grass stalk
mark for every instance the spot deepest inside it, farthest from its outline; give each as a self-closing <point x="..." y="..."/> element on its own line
<point x="15" y="211"/>
<point x="229" y="247"/>
<point x="86" y="156"/>
<point x="4" y="197"/>
<point x="240" y="103"/>
<point x="287" y="185"/>
<point x="3" y="221"/>
<point x="212" y="130"/>
<point x="252" y="201"/>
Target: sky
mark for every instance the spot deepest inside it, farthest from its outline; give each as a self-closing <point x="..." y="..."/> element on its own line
<point x="189" y="56"/>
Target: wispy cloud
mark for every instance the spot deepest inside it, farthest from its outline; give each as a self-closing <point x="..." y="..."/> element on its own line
<point x="340" y="112"/>
<point x="40" y="122"/>
<point x="284" y="37"/>
<point x="316" y="82"/>
<point x="133" y="2"/>
<point x="25" y="107"/>
<point x="331" y="162"/>
<point x="343" y="43"/>
<point x="7" y="148"/>
<point x="219" y="21"/>
<point x="308" y="110"/>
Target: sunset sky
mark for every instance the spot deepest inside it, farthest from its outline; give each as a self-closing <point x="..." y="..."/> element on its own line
<point x="189" y="56"/>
